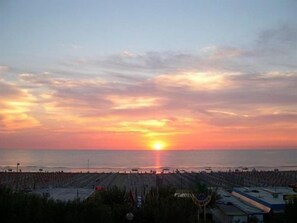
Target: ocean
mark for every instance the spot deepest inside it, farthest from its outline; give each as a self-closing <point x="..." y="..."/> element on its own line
<point x="145" y="161"/>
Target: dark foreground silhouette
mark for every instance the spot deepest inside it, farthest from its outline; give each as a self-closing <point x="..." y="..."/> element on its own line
<point x="110" y="206"/>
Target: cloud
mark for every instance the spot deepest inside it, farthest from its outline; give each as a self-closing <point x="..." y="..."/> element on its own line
<point x="230" y="119"/>
<point x="15" y="109"/>
<point x="223" y="52"/>
<point x="144" y="64"/>
<point x="273" y="48"/>
<point x="3" y="69"/>
<point x="284" y="35"/>
<point x="121" y="102"/>
<point x="8" y="90"/>
<point x="167" y="94"/>
<point x="194" y="80"/>
<point x="217" y="91"/>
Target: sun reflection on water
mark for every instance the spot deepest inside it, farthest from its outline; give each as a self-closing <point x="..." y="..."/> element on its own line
<point x="157" y="160"/>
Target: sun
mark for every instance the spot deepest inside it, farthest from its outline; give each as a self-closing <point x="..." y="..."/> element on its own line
<point x="158" y="145"/>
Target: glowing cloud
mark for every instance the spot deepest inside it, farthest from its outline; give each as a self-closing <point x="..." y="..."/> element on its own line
<point x="194" y="80"/>
<point x="16" y="109"/>
<point x="133" y="102"/>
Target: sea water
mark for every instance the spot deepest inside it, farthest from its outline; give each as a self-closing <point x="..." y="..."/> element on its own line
<point x="146" y="161"/>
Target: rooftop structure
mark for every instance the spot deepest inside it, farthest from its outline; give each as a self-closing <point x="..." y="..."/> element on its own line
<point x="228" y="213"/>
<point x="266" y="199"/>
<point x="232" y="209"/>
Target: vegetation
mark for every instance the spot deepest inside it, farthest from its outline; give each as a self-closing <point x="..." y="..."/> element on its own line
<point x="289" y="216"/>
<point x="291" y="211"/>
<point x="162" y="206"/>
<point x="105" y="206"/>
<point x="111" y="206"/>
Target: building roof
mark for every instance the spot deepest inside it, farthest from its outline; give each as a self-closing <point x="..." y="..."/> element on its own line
<point x="230" y="210"/>
<point x="228" y="198"/>
<point x="264" y="198"/>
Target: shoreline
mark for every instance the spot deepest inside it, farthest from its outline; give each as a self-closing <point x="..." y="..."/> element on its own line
<point x="34" y="169"/>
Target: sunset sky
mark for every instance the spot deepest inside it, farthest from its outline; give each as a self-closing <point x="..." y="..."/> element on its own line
<point x="138" y="74"/>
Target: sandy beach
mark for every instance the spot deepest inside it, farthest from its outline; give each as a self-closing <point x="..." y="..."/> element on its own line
<point x="142" y="182"/>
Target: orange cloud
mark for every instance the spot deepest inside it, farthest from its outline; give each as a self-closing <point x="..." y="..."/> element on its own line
<point x="195" y="80"/>
<point x="185" y="100"/>
<point x="16" y="109"/>
<point x="128" y="102"/>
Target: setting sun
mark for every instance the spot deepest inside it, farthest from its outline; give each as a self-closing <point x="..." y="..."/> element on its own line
<point x="158" y="146"/>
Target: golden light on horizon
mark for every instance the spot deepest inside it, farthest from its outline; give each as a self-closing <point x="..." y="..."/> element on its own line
<point x="158" y="145"/>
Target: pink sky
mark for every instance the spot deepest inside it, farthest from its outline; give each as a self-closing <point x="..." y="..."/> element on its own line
<point x="183" y="110"/>
<point x="106" y="75"/>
